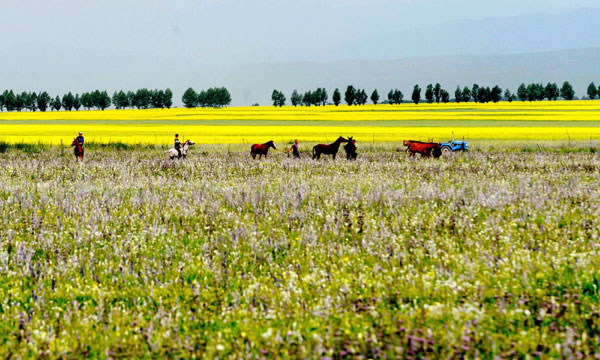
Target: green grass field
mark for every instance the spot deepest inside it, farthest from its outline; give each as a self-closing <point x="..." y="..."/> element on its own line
<point x="488" y="254"/>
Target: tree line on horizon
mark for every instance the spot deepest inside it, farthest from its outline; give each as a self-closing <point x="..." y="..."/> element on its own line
<point x="215" y="97"/>
<point x="435" y="93"/>
<point x="220" y="96"/>
<point x="100" y="100"/>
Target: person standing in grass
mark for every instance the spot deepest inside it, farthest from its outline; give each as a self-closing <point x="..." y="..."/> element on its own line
<point x="295" y="150"/>
<point x="80" y="140"/>
<point x="177" y="145"/>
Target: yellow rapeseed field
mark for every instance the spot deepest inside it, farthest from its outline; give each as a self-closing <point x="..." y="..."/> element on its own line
<point x="559" y="120"/>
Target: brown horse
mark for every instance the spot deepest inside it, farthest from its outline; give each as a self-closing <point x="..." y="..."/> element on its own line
<point x="261" y="149"/>
<point x="425" y="149"/>
<point x="330" y="149"/>
<point x="77" y="149"/>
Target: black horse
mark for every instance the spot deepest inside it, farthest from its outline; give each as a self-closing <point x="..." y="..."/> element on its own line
<point x="350" y="149"/>
<point x="330" y="149"/>
<point x="261" y="149"/>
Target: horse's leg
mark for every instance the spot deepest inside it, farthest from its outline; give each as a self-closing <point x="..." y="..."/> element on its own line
<point x="334" y="154"/>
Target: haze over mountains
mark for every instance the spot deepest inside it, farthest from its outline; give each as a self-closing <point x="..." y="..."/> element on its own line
<point x="503" y="50"/>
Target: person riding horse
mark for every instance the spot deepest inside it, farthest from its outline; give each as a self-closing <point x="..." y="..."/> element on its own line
<point x="177" y="145"/>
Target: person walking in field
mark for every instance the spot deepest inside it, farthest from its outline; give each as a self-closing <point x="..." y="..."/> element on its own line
<point x="178" y="145"/>
<point x="295" y="150"/>
<point x="80" y="141"/>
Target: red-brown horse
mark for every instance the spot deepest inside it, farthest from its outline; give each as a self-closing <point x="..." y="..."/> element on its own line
<point x="330" y="149"/>
<point x="425" y="149"/>
<point x="77" y="149"/>
<point x="261" y="149"/>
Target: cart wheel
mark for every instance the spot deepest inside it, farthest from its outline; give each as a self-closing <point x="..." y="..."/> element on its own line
<point x="446" y="150"/>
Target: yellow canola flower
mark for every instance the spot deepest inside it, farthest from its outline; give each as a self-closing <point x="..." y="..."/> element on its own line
<point x="560" y="120"/>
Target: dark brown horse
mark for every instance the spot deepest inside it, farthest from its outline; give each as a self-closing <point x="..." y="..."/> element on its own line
<point x="425" y="149"/>
<point x="330" y="149"/>
<point x="77" y="149"/>
<point x="261" y="149"/>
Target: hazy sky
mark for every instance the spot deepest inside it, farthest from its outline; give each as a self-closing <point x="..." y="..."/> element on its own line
<point x="237" y="31"/>
<point x="79" y="45"/>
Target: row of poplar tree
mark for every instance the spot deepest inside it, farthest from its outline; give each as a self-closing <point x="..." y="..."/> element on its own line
<point x="213" y="97"/>
<point x="42" y="101"/>
<point x="435" y="93"/>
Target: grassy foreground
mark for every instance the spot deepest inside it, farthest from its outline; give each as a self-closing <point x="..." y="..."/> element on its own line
<point x="517" y="121"/>
<point x="481" y="255"/>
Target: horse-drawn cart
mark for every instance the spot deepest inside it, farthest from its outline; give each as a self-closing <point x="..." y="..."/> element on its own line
<point x="446" y="148"/>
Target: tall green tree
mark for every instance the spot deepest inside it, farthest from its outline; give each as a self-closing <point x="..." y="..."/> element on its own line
<point x="278" y="98"/>
<point x="508" y="96"/>
<point x="130" y="99"/>
<point x="522" y="92"/>
<point x="398" y="96"/>
<point x="306" y="98"/>
<point x="337" y="97"/>
<point x="43" y="100"/>
<point x="362" y="97"/>
<point x="566" y="91"/>
<point x="429" y="94"/>
<point x="21" y="100"/>
<point x="350" y="95"/>
<point x="31" y="103"/>
<point x="416" y="95"/>
<point x="592" y="91"/>
<point x="324" y="96"/>
<point x="87" y="100"/>
<point x="390" y="96"/>
<point x="76" y="102"/>
<point x="437" y="92"/>
<point x="56" y="103"/>
<point x="223" y="97"/>
<point x="484" y="94"/>
<point x="375" y="97"/>
<point x="168" y="99"/>
<point x="395" y="96"/>
<point x="142" y="98"/>
<point x="67" y="101"/>
<point x="296" y="98"/>
<point x="445" y="96"/>
<point x="466" y="94"/>
<point x="496" y="94"/>
<point x="458" y="94"/>
<point x="102" y="100"/>
<point x="190" y="98"/>
<point x="551" y="91"/>
<point x="202" y="99"/>
<point x="475" y="92"/>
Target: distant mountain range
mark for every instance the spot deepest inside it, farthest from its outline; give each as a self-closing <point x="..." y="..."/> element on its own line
<point x="504" y="51"/>
<point x="254" y="83"/>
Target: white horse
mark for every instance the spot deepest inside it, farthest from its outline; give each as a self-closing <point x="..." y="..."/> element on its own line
<point x="184" y="150"/>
